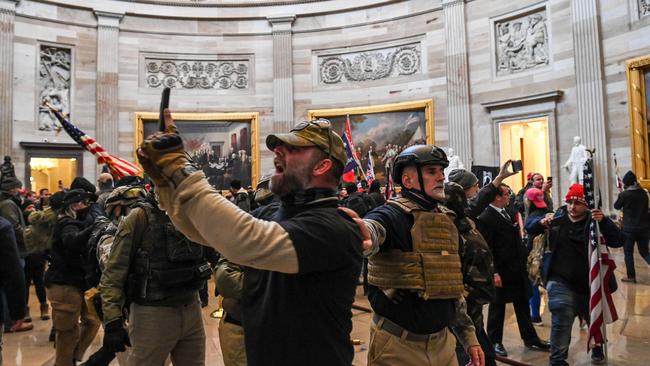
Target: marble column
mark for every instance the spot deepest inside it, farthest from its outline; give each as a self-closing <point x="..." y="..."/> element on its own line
<point x="107" y="102"/>
<point x="282" y="73"/>
<point x="7" y="15"/>
<point x="590" y="88"/>
<point x="458" y="109"/>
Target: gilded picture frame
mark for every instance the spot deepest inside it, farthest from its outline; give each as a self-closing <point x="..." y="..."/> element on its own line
<point x="225" y="145"/>
<point x="638" y="75"/>
<point x="382" y="131"/>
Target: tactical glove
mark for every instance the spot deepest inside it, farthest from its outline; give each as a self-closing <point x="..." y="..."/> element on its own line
<point x="163" y="158"/>
<point x="116" y="339"/>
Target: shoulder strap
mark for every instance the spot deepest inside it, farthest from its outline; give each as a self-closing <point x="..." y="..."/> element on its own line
<point x="404" y="204"/>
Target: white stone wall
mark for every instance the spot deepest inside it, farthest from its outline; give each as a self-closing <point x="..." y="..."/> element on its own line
<point x="330" y="27"/>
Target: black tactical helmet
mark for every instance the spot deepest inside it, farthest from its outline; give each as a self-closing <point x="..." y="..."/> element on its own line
<point x="418" y="155"/>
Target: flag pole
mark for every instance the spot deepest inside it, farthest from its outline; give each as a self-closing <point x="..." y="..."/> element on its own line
<point x="603" y="296"/>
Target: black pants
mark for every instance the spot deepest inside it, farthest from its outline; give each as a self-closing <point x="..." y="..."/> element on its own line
<point x="34" y="272"/>
<point x="641" y="239"/>
<point x="475" y="311"/>
<point x="497" y="314"/>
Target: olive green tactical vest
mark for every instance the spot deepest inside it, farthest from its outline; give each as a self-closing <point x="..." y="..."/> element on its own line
<point x="169" y="267"/>
<point x="433" y="267"/>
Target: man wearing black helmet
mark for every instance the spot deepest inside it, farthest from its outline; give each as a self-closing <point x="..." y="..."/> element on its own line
<point x="418" y="299"/>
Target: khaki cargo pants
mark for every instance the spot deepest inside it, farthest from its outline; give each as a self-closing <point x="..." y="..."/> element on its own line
<point x="160" y="331"/>
<point x="387" y="349"/>
<point x="75" y="330"/>
<point x="231" y="340"/>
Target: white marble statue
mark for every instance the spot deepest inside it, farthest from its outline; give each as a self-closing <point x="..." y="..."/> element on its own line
<point x="576" y="161"/>
<point x="454" y="162"/>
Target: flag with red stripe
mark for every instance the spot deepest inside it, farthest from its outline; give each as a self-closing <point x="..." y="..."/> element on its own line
<point x="601" y="305"/>
<point x="119" y="167"/>
<point x="370" y="171"/>
<point x="349" y="171"/>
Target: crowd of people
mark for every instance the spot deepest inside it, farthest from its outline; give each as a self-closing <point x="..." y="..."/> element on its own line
<point x="134" y="258"/>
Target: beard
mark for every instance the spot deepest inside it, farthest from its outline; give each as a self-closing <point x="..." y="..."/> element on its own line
<point x="290" y="181"/>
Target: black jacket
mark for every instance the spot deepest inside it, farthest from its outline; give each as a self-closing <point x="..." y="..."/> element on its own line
<point x="358" y="203"/>
<point x="509" y="254"/>
<point x="634" y="204"/>
<point x="68" y="254"/>
<point x="12" y="278"/>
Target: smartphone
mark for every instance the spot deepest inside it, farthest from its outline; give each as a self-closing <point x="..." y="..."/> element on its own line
<point x="517" y="166"/>
<point x="549" y="179"/>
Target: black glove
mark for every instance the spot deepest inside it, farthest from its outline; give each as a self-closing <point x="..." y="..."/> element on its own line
<point x="116" y="339"/>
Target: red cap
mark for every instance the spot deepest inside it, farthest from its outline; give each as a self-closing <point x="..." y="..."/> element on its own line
<point x="536" y="196"/>
<point x="529" y="176"/>
<point x="576" y="193"/>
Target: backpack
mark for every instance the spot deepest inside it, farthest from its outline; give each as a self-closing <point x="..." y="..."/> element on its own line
<point x="38" y="235"/>
<point x="535" y="259"/>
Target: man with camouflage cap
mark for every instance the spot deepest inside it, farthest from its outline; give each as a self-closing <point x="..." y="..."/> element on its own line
<point x="414" y="270"/>
<point x="304" y="264"/>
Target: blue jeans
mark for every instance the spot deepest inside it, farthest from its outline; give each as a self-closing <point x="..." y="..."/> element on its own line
<point x="535" y="302"/>
<point x="641" y="238"/>
<point x="564" y="305"/>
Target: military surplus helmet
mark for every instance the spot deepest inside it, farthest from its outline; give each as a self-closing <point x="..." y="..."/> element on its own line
<point x="418" y="155"/>
<point x="125" y="196"/>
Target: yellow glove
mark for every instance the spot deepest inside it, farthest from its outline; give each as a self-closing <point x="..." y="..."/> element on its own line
<point x="162" y="155"/>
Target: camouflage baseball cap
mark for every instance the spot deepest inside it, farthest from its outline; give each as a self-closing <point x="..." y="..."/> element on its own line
<point x="312" y="133"/>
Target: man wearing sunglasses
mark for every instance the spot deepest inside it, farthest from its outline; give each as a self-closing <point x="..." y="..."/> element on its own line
<point x="414" y="270"/>
<point x="302" y="267"/>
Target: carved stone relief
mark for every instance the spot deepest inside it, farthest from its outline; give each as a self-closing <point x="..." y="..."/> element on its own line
<point x="644" y="8"/>
<point x="369" y="65"/>
<point x="54" y="82"/>
<point x="521" y="43"/>
<point x="196" y="74"/>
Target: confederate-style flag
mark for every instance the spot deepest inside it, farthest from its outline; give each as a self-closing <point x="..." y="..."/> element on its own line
<point x="118" y="167"/>
<point x="353" y="162"/>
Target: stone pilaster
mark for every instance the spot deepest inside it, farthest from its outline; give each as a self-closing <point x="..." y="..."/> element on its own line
<point x="589" y="87"/>
<point x="107" y="103"/>
<point x="7" y="15"/>
<point x="282" y="73"/>
<point x="458" y="109"/>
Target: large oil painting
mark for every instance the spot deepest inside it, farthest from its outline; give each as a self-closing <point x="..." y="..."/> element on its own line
<point x="224" y="145"/>
<point x="382" y="132"/>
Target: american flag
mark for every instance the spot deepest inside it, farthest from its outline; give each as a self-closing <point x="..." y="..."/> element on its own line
<point x="119" y="167"/>
<point x="370" y="172"/>
<point x="600" y="269"/>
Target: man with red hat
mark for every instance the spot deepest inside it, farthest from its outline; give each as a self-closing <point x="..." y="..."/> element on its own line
<point x="566" y="269"/>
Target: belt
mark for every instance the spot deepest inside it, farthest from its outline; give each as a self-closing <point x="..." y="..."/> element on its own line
<point x="394" y="329"/>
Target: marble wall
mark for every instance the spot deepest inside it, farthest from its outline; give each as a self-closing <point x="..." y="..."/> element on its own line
<point x="291" y="73"/>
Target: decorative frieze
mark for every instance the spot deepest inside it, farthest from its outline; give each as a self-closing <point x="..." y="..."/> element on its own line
<point x="370" y="65"/>
<point x="196" y="74"/>
<point x="55" y="78"/>
<point x="521" y="42"/>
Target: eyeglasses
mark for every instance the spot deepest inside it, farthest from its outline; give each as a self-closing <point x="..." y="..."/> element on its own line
<point x="322" y="124"/>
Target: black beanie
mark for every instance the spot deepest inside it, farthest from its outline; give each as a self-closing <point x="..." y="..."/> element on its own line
<point x="463" y="177"/>
<point x="83" y="183"/>
<point x="629" y="178"/>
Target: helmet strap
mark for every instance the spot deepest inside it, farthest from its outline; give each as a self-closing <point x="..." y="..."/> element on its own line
<point x="418" y="167"/>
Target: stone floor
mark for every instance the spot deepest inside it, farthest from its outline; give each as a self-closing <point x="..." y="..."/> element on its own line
<point x="629" y="340"/>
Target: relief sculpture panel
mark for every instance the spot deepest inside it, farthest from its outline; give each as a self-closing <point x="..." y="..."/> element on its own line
<point x="196" y="74"/>
<point x="54" y="84"/>
<point x="521" y="43"/>
<point x="369" y="65"/>
<point x="644" y="8"/>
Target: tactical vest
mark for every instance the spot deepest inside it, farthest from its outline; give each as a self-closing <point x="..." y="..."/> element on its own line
<point x="433" y="267"/>
<point x="168" y="267"/>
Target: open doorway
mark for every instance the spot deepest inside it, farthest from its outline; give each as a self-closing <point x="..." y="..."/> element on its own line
<point x="55" y="174"/>
<point x="528" y="141"/>
<point x="51" y="165"/>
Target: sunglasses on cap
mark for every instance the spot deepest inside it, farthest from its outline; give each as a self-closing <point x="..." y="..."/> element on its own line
<point x="322" y="124"/>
